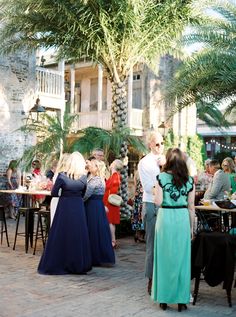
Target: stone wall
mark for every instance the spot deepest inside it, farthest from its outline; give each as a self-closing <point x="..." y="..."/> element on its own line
<point x="17" y="95"/>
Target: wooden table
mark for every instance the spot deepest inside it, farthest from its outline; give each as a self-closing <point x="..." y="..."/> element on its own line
<point x="29" y="211"/>
<point x="200" y="210"/>
<point x="26" y="192"/>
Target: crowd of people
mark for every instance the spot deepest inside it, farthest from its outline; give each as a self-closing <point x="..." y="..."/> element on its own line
<point x="83" y="221"/>
<point x="80" y="203"/>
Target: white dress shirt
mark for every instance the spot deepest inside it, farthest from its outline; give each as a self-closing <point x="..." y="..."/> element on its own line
<point x="148" y="169"/>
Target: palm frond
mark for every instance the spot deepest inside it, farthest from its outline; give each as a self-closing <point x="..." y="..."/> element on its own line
<point x="109" y="141"/>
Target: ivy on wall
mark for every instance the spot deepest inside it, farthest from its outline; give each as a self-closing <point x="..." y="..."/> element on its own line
<point x="193" y="145"/>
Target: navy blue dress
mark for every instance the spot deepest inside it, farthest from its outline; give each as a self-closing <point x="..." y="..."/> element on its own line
<point x="67" y="250"/>
<point x="98" y="226"/>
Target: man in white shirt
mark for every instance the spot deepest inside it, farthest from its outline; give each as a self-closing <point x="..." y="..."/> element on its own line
<point x="149" y="168"/>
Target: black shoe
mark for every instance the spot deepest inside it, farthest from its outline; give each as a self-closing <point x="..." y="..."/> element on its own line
<point x="149" y="288"/>
<point x="163" y="306"/>
<point x="182" y="306"/>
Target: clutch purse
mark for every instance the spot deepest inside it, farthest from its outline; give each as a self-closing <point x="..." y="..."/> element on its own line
<point x="115" y="200"/>
<point x="227" y="204"/>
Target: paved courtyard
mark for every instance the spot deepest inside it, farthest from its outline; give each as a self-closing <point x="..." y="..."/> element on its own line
<point x="115" y="292"/>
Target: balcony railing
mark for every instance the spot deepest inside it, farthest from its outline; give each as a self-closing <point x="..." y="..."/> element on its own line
<point x="49" y="81"/>
<point x="102" y="120"/>
<point x="50" y="87"/>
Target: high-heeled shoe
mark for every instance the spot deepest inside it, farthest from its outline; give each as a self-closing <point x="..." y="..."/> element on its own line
<point x="182" y="306"/>
<point x="163" y="306"/>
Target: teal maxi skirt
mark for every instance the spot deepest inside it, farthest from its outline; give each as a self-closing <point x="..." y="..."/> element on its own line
<point x="172" y="261"/>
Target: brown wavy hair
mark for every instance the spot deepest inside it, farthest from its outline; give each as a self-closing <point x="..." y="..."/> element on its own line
<point x="176" y="165"/>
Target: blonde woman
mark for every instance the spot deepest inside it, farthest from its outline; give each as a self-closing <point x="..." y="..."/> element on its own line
<point x="98" y="226"/>
<point x="68" y="249"/>
<point x="228" y="167"/>
<point x="60" y="169"/>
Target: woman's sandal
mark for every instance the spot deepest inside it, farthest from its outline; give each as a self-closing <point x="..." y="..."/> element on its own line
<point x="181" y="306"/>
<point x="163" y="306"/>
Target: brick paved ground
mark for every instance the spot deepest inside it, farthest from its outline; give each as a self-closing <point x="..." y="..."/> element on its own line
<point x="115" y="292"/>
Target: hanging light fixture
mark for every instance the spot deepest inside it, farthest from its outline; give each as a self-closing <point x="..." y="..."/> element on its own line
<point x="37" y="109"/>
<point x="163" y="127"/>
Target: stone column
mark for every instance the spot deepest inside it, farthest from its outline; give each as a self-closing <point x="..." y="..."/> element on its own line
<point x="100" y="75"/>
<point x="72" y="88"/>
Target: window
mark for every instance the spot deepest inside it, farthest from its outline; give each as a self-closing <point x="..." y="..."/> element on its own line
<point x="94" y="94"/>
<point x="137" y="92"/>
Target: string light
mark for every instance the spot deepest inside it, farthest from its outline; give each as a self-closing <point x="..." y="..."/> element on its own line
<point x="224" y="146"/>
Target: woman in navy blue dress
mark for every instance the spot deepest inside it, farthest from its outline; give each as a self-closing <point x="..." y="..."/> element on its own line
<point x="67" y="250"/>
<point x="98" y="226"/>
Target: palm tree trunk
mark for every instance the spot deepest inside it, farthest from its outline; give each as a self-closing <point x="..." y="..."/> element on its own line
<point x="119" y="120"/>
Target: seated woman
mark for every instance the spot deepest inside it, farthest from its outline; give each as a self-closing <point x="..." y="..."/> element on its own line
<point x="229" y="168"/>
<point x="98" y="226"/>
<point x="36" y="172"/>
<point x="205" y="178"/>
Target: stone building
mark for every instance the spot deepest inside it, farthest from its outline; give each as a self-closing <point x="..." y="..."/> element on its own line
<point x="21" y="82"/>
<point x="84" y="89"/>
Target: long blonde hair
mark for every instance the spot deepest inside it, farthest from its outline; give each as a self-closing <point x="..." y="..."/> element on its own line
<point x="101" y="168"/>
<point x="231" y="165"/>
<point x="62" y="163"/>
<point x="75" y="165"/>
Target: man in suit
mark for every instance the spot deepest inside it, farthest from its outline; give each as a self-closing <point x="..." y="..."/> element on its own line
<point x="148" y="169"/>
<point x="219" y="184"/>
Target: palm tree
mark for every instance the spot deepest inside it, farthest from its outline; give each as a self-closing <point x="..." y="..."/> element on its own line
<point x="207" y="77"/>
<point x="117" y="34"/>
<point x="52" y="138"/>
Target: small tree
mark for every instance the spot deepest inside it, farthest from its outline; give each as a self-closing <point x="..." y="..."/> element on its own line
<point x="52" y="138"/>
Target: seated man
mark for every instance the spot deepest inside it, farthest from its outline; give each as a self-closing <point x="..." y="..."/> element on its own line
<point x="219" y="184"/>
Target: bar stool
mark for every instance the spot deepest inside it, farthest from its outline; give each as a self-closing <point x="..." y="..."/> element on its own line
<point x="28" y="212"/>
<point x="3" y="225"/>
<point x="44" y="228"/>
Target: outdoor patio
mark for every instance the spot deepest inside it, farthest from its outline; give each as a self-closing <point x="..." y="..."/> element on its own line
<point x="116" y="292"/>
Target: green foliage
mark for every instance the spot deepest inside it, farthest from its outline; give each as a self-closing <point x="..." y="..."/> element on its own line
<point x="194" y="146"/>
<point x="207" y="77"/>
<point x="196" y="150"/>
<point x="170" y="140"/>
<point x="108" y="140"/>
<point x="52" y="138"/>
<point x="115" y="33"/>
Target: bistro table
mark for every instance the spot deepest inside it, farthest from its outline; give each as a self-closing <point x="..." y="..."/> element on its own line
<point x="213" y="254"/>
<point x="203" y="209"/>
<point x="29" y="209"/>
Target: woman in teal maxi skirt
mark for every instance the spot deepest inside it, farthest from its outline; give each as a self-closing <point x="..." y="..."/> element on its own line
<point x="172" y="253"/>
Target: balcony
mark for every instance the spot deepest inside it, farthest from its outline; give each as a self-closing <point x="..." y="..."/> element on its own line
<point x="50" y="88"/>
<point x="102" y="120"/>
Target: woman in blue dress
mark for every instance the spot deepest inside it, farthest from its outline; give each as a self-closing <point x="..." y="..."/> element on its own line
<point x="98" y="226"/>
<point x="174" y="192"/>
<point x="67" y="249"/>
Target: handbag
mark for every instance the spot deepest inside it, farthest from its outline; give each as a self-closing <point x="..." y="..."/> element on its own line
<point x="115" y="200"/>
<point x="227" y="204"/>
